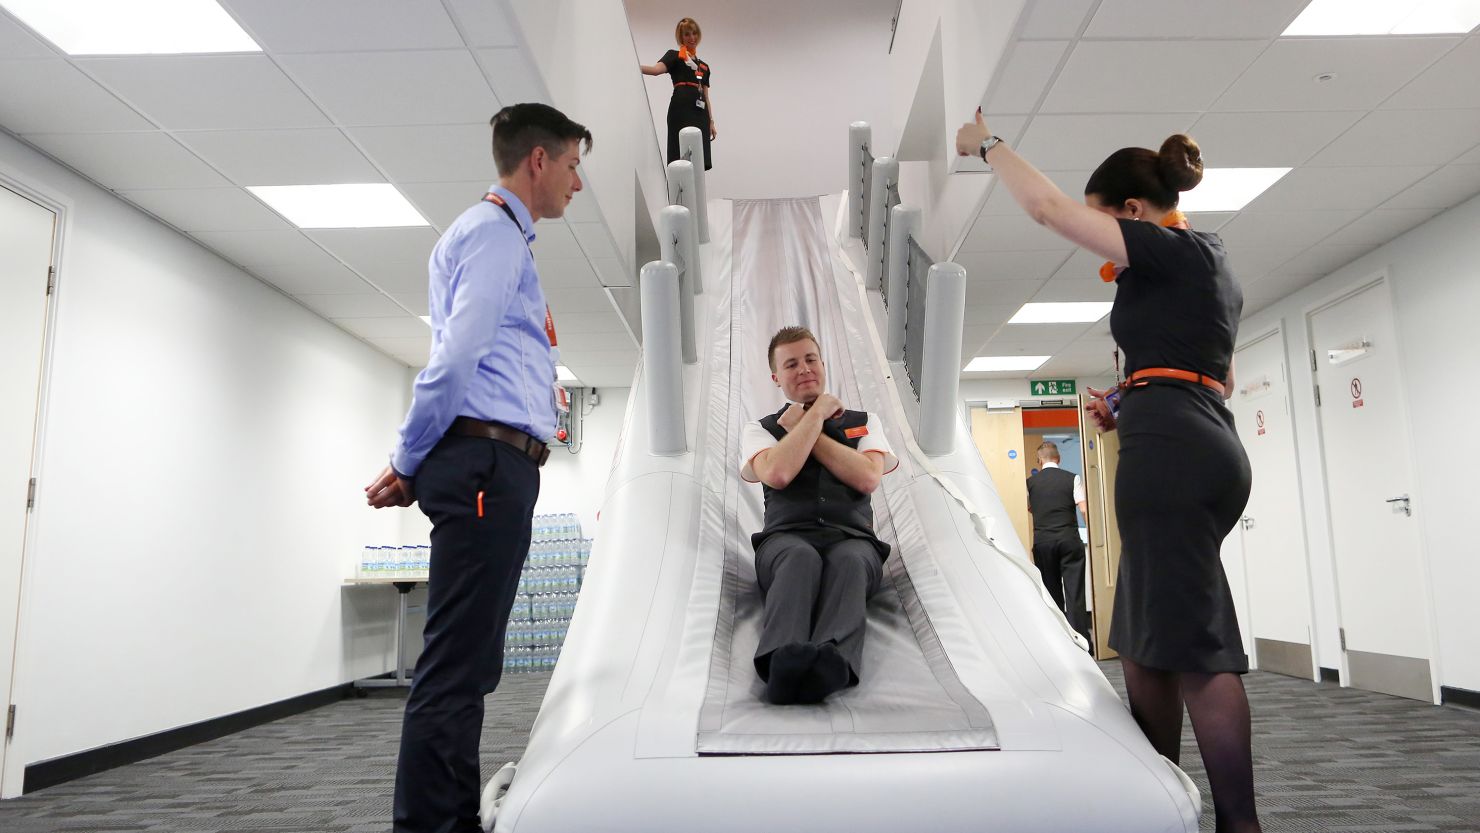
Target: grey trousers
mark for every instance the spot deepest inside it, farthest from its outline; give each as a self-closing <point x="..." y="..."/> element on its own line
<point x="816" y="585"/>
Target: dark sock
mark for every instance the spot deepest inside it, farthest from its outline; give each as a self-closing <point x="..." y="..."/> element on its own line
<point x="789" y="666"/>
<point x="828" y="674"/>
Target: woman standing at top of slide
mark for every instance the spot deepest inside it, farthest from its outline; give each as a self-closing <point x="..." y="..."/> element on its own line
<point x="690" y="105"/>
<point x="1183" y="477"/>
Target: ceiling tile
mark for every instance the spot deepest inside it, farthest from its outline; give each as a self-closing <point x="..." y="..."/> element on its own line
<point x="207" y="209"/>
<point x="1268" y="140"/>
<point x="440" y="153"/>
<point x="283" y="157"/>
<point x="1252" y="264"/>
<point x="565" y="272"/>
<point x="575" y="341"/>
<point x="1309" y="189"/>
<point x="609" y="376"/>
<point x="346" y="25"/>
<point x="1083" y="265"/>
<point x="1408" y="137"/>
<point x="1281" y="284"/>
<point x="1022" y="80"/>
<point x="1002" y="202"/>
<point x="606" y="321"/>
<point x="361" y="305"/>
<point x="403" y="325"/>
<point x="1367" y="71"/>
<point x="576" y="359"/>
<point x="999" y="293"/>
<point x="565" y="300"/>
<point x="512" y="75"/>
<point x="414" y="351"/>
<point x="1192" y="19"/>
<point x="205" y="92"/>
<point x="327" y="278"/>
<point x="442" y="202"/>
<point x="554" y="241"/>
<point x="484" y="23"/>
<point x="387" y="88"/>
<point x="31" y="90"/>
<point x="1380" y="226"/>
<point x="1323" y="260"/>
<point x="264" y="248"/>
<point x="1471" y="158"/>
<point x="414" y="301"/>
<point x="1210" y="220"/>
<point x="394" y="259"/>
<point x="125" y="161"/>
<point x="986" y="318"/>
<point x="16" y="41"/>
<point x="594" y="240"/>
<point x="1010" y="266"/>
<point x="1081" y="142"/>
<point x="1448" y="83"/>
<point x="1110" y="76"/>
<point x="1012" y="232"/>
<point x="1283" y="229"/>
<point x="1061" y="334"/>
<point x="611" y="272"/>
<point x="1447" y="187"/>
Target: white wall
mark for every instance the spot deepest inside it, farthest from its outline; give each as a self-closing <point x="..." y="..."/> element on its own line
<point x="1435" y="275"/>
<point x="204" y="446"/>
<point x="783" y="95"/>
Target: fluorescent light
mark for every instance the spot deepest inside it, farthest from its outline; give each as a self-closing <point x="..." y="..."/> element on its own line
<point x="1385" y="17"/>
<point x="133" y="27"/>
<point x="376" y="205"/>
<point x="1078" y="312"/>
<point x="1230" y="189"/>
<point x="426" y="318"/>
<point x="988" y="363"/>
<point x="563" y="374"/>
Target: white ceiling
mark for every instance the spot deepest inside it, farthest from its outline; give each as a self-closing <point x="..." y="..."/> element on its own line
<point x="396" y="91"/>
<point x="1391" y="141"/>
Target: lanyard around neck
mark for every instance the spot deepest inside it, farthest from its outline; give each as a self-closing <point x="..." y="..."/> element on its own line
<point x="504" y="204"/>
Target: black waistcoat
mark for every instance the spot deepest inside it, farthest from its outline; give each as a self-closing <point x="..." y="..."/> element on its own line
<point x="1051" y="494"/>
<point x="815" y="497"/>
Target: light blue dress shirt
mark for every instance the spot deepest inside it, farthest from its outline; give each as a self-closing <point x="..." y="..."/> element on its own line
<point x="491" y="358"/>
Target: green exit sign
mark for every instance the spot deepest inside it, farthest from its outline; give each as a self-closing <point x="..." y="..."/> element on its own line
<point x="1052" y="387"/>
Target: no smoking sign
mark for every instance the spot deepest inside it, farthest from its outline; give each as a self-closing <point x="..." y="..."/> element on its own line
<point x="1356" y="388"/>
<point x="1259" y="421"/>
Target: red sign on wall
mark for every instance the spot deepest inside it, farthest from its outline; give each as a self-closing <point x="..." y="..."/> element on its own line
<point x="1259" y="421"/>
<point x="1356" y="393"/>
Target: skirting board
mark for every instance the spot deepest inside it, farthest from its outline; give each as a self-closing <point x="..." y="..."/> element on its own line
<point x="49" y="773"/>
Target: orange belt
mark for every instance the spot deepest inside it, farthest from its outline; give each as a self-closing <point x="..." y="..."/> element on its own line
<point x="687" y="84"/>
<point x="1144" y="375"/>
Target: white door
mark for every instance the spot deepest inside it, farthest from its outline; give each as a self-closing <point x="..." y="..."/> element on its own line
<point x="25" y="263"/>
<point x="1275" y="569"/>
<point x="1381" y="572"/>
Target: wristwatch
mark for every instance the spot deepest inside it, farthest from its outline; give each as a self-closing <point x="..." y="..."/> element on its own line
<point x="987" y="144"/>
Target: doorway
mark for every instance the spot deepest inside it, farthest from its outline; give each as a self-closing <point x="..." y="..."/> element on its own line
<point x="27" y="240"/>
<point x="1382" y="583"/>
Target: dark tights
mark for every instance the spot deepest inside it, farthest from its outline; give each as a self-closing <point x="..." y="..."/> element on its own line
<point x="1219" y="709"/>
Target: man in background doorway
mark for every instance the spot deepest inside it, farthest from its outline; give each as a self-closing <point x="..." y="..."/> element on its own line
<point x="1053" y="495"/>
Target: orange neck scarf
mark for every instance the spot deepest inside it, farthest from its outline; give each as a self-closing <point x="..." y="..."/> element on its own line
<point x="692" y="59"/>
<point x="1174" y="219"/>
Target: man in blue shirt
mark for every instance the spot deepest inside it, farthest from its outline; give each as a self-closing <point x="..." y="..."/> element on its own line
<point x="470" y="451"/>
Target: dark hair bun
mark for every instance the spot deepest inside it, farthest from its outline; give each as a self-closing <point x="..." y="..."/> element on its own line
<point x="1179" y="164"/>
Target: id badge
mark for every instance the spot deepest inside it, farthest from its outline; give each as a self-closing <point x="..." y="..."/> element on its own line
<point x="699" y="104"/>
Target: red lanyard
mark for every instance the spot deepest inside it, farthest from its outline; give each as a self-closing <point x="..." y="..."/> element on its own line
<point x="501" y="203"/>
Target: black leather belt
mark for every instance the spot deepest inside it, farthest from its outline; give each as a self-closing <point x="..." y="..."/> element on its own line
<point x="534" y="448"/>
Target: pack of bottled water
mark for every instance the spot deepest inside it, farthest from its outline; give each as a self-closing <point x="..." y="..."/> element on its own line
<point x="409" y="562"/>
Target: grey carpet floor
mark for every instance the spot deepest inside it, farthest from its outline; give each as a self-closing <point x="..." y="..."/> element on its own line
<point x="1326" y="759"/>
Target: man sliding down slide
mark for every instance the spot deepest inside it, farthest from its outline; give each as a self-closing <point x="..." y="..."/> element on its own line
<point x="817" y="559"/>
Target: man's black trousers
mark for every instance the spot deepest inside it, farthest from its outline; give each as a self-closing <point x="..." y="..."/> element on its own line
<point x="479" y="494"/>
<point x="1060" y="558"/>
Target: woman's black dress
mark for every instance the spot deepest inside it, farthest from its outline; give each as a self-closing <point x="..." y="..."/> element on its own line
<point x="1183" y="478"/>
<point x="687" y="107"/>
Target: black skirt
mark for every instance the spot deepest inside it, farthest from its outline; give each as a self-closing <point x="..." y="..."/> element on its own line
<point x="1182" y="483"/>
<point x="684" y="111"/>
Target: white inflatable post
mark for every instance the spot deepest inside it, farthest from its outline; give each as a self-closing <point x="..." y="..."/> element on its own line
<point x="940" y="370"/>
<point x="691" y="147"/>
<point x="681" y="191"/>
<point x="904" y="223"/>
<point x="662" y="367"/>
<point x="676" y="237"/>
<point x="886" y="174"/>
<point x="859" y="136"/>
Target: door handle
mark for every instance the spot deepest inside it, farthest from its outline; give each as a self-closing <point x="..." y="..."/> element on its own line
<point x="1406" y="505"/>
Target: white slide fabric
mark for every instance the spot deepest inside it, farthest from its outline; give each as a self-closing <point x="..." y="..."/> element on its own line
<point x="977" y="709"/>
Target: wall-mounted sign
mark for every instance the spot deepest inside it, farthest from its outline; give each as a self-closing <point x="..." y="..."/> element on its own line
<point x="1052" y="387"/>
<point x="1356" y="388"/>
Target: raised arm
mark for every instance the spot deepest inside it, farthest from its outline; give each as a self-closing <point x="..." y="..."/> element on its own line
<point x="779" y="464"/>
<point x="1042" y="200"/>
<point x="655" y="69"/>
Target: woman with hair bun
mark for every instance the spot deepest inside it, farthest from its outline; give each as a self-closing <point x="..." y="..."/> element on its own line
<point x="1183" y="478"/>
<point x="690" y="105"/>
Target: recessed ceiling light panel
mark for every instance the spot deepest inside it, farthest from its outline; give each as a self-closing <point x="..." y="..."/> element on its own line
<point x="1076" y="312"/>
<point x="982" y="364"/>
<point x="375" y="205"/>
<point x="1230" y="189"/>
<point x="1329" y="18"/>
<point x="564" y="374"/>
<point x="134" y="27"/>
